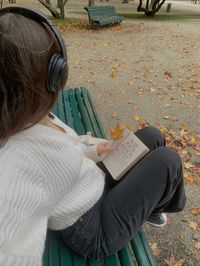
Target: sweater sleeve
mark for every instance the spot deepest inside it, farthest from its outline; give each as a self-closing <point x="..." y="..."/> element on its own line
<point x="89" y="145"/>
<point x="23" y="211"/>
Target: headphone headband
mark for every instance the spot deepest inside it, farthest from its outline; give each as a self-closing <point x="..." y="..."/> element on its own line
<point x="57" y="68"/>
<point x="40" y="18"/>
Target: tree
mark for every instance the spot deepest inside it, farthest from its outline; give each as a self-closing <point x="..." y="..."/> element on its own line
<point x="60" y="4"/>
<point x="152" y="8"/>
<point x="90" y="2"/>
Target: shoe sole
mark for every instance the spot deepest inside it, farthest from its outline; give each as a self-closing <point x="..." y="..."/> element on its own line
<point x="156" y="225"/>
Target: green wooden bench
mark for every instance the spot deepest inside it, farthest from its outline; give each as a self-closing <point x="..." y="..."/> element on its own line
<point x="103" y="15"/>
<point x="75" y="108"/>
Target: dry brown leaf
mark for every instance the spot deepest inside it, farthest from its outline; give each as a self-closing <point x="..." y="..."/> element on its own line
<point x="172" y="262"/>
<point x="166" y="117"/>
<point x="181" y="236"/>
<point x="188" y="179"/>
<point x="197" y="245"/>
<point x="193" y="225"/>
<point x="131" y="81"/>
<point x="113" y="74"/>
<point x="168" y="74"/>
<point x="117" y="132"/>
<point x="155" y="249"/>
<point x="195" y="211"/>
<point x="113" y="115"/>
<point x="188" y="165"/>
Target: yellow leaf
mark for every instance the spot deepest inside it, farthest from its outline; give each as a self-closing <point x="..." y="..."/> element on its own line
<point x="195" y="211"/>
<point x="197" y="245"/>
<point x="128" y="126"/>
<point x="188" y="165"/>
<point x="117" y="132"/>
<point x="193" y="140"/>
<point x="137" y="117"/>
<point x="183" y="127"/>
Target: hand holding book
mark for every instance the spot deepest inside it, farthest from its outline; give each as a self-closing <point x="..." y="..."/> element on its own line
<point x="104" y="147"/>
<point x="128" y="150"/>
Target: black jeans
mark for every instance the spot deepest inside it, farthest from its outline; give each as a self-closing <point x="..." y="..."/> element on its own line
<point x="155" y="184"/>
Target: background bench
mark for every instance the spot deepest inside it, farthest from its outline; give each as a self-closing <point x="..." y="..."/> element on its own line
<point x="75" y="108"/>
<point x="103" y="15"/>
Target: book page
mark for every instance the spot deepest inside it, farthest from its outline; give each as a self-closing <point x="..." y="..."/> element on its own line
<point x="129" y="150"/>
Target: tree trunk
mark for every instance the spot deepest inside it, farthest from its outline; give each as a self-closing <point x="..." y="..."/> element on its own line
<point x="53" y="11"/>
<point x="62" y="8"/>
<point x="91" y="3"/>
<point x="150" y="11"/>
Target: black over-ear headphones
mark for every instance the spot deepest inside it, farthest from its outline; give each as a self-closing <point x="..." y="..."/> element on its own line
<point x="57" y="68"/>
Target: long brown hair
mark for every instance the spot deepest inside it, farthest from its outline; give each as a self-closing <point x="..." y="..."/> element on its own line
<point x="25" y="50"/>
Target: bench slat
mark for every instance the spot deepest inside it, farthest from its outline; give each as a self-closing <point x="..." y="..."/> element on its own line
<point x="53" y="249"/>
<point x="112" y="260"/>
<point x="75" y="113"/>
<point x="92" y="117"/>
<point x="84" y="115"/>
<point x="86" y="93"/>
<point x="147" y="248"/>
<point x="78" y="260"/>
<point x="93" y="262"/>
<point x="139" y="251"/>
<point x="68" y="110"/>
<point x="125" y="257"/>
<point x="65" y="255"/>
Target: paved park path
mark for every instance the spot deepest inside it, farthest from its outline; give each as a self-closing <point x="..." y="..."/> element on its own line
<point x="146" y="71"/>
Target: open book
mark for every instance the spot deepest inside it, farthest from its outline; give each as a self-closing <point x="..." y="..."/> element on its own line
<point x="128" y="151"/>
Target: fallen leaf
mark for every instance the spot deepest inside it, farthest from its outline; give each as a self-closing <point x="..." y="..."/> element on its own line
<point x="137" y="117"/>
<point x="155" y="249"/>
<point x="113" y="115"/>
<point x="128" y="126"/>
<point x="166" y="117"/>
<point x="195" y="211"/>
<point x="188" y="165"/>
<point x="168" y="74"/>
<point x="193" y="225"/>
<point x="197" y="245"/>
<point x="172" y="262"/>
<point x="117" y="132"/>
<point x="188" y="179"/>
<point x="181" y="237"/>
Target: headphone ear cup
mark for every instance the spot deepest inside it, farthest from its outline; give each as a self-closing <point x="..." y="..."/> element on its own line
<point x="56" y="73"/>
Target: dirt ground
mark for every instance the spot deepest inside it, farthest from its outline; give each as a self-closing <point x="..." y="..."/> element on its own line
<point x="145" y="70"/>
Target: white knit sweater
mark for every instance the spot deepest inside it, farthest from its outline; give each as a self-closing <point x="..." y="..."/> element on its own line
<point x="46" y="180"/>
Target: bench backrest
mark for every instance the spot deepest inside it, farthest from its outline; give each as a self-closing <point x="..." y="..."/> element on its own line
<point x="101" y="10"/>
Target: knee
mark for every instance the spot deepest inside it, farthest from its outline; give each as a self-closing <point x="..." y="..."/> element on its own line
<point x="152" y="137"/>
<point x="155" y="134"/>
<point x="169" y="158"/>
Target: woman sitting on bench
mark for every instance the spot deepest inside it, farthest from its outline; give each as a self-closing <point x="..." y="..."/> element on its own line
<point x="48" y="177"/>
